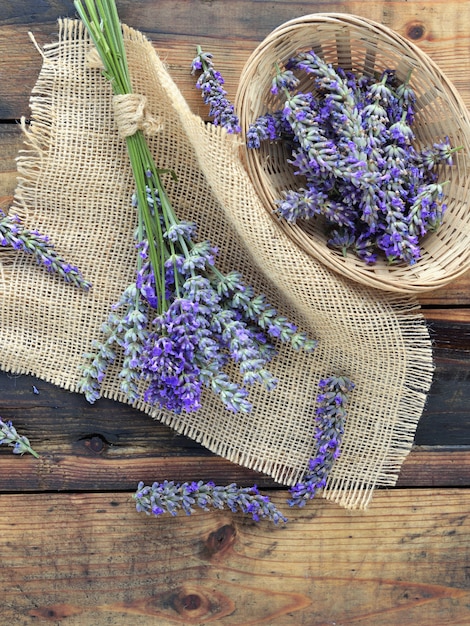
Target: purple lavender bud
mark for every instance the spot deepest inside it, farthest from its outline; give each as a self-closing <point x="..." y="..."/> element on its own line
<point x="210" y="83"/>
<point x="170" y="497"/>
<point x="284" y="81"/>
<point x="330" y="419"/>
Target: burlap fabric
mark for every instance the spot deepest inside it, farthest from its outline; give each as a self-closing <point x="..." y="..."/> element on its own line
<point x="75" y="185"/>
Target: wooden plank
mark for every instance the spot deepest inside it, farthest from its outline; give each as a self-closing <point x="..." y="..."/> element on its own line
<point x="436" y="466"/>
<point x="439" y="28"/>
<point x="449" y="329"/>
<point x="91" y="559"/>
<point x="111" y="446"/>
<point x="456" y="293"/>
<point x="426" y="466"/>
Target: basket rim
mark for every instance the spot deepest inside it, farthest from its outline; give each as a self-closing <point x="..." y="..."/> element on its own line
<point x="395" y="278"/>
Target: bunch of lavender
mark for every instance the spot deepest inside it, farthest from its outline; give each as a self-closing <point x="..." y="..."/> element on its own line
<point x="211" y="82"/>
<point x="10" y="437"/>
<point x="170" y="497"/>
<point x="182" y="323"/>
<point x="13" y="234"/>
<point x="353" y="148"/>
<point x="330" y="419"/>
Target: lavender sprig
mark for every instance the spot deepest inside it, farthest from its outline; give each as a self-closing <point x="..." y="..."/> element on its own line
<point x="170" y="497"/>
<point x="330" y="420"/>
<point x="210" y="82"/>
<point x="20" y="443"/>
<point x="268" y="127"/>
<point x="13" y="234"/>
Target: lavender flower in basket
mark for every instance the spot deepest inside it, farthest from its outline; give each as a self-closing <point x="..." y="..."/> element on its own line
<point x="182" y="323"/>
<point x="352" y="148"/>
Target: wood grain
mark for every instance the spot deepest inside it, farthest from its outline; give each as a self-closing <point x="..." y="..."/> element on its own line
<point x="230" y="30"/>
<point x="110" y="446"/>
<point x="91" y="559"/>
<point x="75" y="552"/>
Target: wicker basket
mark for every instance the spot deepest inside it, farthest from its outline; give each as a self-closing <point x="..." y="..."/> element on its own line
<point x="364" y="46"/>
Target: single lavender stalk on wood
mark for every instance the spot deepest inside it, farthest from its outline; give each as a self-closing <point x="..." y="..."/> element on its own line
<point x="170" y="497"/>
<point x="10" y="437"/>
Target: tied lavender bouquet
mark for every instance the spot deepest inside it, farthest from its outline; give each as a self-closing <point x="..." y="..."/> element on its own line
<point x="352" y="146"/>
<point x="182" y="325"/>
<point x="182" y="321"/>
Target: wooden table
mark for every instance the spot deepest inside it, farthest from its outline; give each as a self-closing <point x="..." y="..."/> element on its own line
<point x="73" y="549"/>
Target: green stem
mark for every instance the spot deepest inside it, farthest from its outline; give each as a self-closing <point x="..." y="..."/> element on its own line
<point x="138" y="156"/>
<point x="31" y="451"/>
<point x="101" y="19"/>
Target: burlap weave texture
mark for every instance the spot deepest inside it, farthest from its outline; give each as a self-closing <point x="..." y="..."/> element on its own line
<point x="75" y="185"/>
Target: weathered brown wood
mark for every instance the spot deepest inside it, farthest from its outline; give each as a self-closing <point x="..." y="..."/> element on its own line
<point x="449" y="328"/>
<point x="426" y="466"/>
<point x="111" y="446"/>
<point x="85" y="557"/>
<point x="457" y="293"/>
<point x="91" y="559"/>
<point x="436" y="466"/>
<point x="231" y="31"/>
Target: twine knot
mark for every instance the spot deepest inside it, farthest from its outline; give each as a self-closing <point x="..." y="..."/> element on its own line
<point x="131" y="115"/>
<point x="93" y="59"/>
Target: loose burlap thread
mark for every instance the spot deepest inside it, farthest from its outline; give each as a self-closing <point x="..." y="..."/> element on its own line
<point x="75" y="184"/>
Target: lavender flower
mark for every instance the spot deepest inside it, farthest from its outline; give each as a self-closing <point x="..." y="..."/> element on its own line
<point x="126" y="331"/>
<point x="9" y="436"/>
<point x="401" y="132"/>
<point x="13" y="234"/>
<point x="268" y="127"/>
<point x="440" y="152"/>
<point x="426" y="212"/>
<point x="330" y="419"/>
<point x="284" y="81"/>
<point x="353" y="148"/>
<point x="211" y="82"/>
<point x="170" y="497"/>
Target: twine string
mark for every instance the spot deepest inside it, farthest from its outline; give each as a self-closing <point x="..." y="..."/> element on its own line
<point x="131" y="115"/>
<point x="130" y="110"/>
